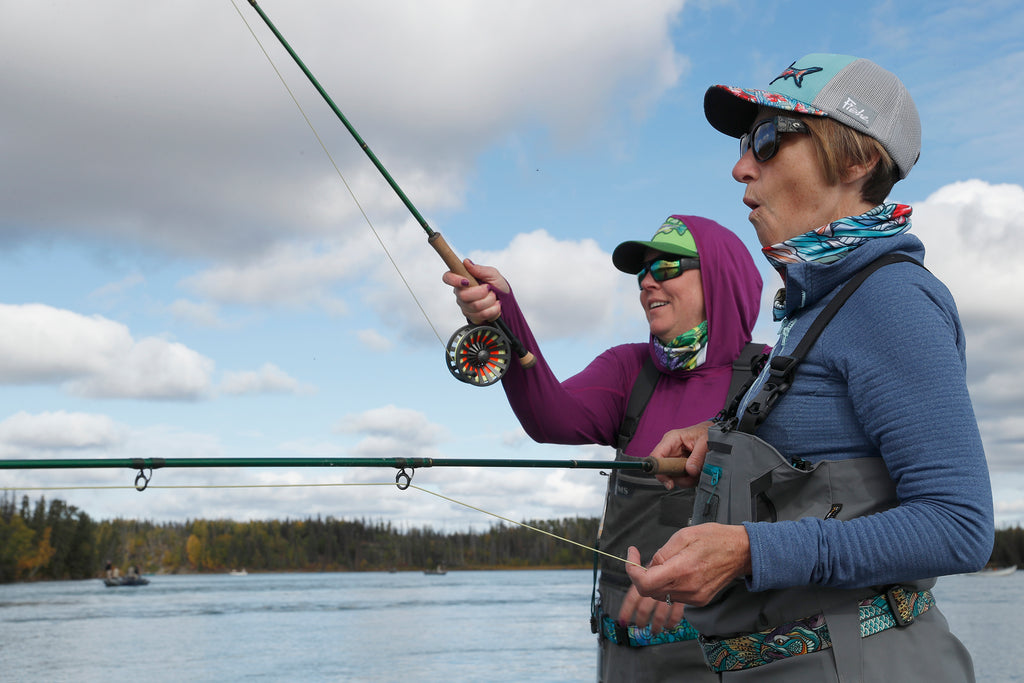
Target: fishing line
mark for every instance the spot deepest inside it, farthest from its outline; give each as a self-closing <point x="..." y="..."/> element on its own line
<point x="333" y="484"/>
<point x="344" y="181"/>
<point x="477" y="354"/>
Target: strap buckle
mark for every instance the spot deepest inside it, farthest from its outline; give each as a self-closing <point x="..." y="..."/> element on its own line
<point x="899" y="603"/>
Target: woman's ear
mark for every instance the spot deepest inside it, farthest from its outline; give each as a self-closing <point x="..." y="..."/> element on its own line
<point x="860" y="172"/>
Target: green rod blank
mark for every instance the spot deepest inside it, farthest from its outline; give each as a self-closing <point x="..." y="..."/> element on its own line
<point x="159" y="463"/>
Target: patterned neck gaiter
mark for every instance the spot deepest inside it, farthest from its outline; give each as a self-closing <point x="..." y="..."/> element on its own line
<point x="832" y="242"/>
<point x="683" y="352"/>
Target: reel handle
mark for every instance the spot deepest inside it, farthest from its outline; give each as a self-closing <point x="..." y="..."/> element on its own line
<point x="672" y="467"/>
<point x="454" y="263"/>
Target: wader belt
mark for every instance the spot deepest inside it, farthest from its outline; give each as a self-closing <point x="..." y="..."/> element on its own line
<point x="641" y="636"/>
<point x="895" y="607"/>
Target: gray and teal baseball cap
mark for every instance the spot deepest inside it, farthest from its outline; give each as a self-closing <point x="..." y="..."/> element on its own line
<point x="673" y="237"/>
<point x="854" y="91"/>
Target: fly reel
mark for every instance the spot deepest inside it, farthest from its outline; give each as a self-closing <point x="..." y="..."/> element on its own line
<point x="478" y="354"/>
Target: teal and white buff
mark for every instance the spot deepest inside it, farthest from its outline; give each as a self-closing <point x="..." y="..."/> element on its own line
<point x="832" y="242"/>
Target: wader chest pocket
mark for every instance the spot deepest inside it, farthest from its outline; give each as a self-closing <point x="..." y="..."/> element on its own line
<point x="676" y="507"/>
<point x="672" y="508"/>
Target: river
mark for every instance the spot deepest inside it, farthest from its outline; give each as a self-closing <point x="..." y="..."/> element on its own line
<point x="404" y="627"/>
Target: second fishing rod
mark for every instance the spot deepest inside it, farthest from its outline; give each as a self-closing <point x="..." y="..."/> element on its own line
<point x="476" y="354"/>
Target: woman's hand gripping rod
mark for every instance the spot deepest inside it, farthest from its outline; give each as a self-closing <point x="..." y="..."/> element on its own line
<point x="526" y="359"/>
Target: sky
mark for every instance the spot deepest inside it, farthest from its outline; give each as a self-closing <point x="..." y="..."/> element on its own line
<point x="195" y="264"/>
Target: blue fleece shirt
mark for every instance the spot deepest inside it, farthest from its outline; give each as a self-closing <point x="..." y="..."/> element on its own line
<point x="887" y="378"/>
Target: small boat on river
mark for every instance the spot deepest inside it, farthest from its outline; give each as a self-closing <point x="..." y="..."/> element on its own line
<point x="438" y="570"/>
<point x="131" y="580"/>
<point x="114" y="579"/>
<point x="997" y="571"/>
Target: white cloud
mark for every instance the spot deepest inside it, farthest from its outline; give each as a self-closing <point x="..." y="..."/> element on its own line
<point x="1010" y="511"/>
<point x="288" y="276"/>
<point x="392" y="432"/>
<point x="59" y="431"/>
<point x="150" y="369"/>
<point x="312" y="448"/>
<point x="392" y="422"/>
<point x="88" y="435"/>
<point x="206" y="155"/>
<point x="531" y="493"/>
<point x="115" y="289"/>
<point x="95" y="356"/>
<point x="122" y="165"/>
<point x="974" y="233"/>
<point x="567" y="288"/>
<point x="514" y="439"/>
<point x="975" y="236"/>
<point x="269" y="379"/>
<point x="203" y="314"/>
<point x="375" y="341"/>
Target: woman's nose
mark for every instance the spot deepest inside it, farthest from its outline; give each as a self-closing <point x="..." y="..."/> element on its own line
<point x="746" y="168"/>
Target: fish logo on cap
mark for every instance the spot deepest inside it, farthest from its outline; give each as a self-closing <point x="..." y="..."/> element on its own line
<point x="796" y="74"/>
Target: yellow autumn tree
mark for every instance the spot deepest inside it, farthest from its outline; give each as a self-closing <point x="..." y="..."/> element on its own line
<point x="194" y="551"/>
<point x="31" y="563"/>
<point x="15" y="545"/>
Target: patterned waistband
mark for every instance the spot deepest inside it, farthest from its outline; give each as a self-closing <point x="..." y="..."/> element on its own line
<point x="641" y="636"/>
<point x="895" y="607"/>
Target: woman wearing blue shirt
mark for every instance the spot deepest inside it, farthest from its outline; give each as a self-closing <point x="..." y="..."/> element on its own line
<point x="867" y="479"/>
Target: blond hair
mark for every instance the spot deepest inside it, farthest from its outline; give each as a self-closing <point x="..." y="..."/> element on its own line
<point x="839" y="147"/>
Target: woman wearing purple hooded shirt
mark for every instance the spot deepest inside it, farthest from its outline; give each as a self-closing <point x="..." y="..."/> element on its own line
<point x="700" y="292"/>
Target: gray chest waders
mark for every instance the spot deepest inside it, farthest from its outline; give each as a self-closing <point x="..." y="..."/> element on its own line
<point x="638" y="511"/>
<point x="746" y="479"/>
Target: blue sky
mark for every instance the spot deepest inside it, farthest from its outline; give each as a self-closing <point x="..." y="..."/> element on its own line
<point x="183" y="273"/>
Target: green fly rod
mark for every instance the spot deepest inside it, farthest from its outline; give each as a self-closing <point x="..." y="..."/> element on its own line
<point x="666" y="466"/>
<point x="476" y="354"/>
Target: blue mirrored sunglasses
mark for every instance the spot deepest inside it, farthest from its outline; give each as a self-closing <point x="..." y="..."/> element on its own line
<point x="763" y="138"/>
<point x="664" y="269"/>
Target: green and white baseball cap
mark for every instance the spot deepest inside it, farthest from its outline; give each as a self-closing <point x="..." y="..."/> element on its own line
<point x="673" y="237"/>
<point x="853" y="91"/>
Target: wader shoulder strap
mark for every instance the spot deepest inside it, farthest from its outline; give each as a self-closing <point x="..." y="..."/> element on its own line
<point x="744" y="370"/>
<point x="639" y="397"/>
<point x="783" y="368"/>
<point x="643" y="388"/>
<point x="743" y="367"/>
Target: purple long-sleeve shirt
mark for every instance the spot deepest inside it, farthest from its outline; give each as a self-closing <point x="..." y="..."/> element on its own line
<point x="589" y="407"/>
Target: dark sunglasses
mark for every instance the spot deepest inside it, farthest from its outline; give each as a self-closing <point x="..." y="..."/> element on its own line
<point x="763" y="138"/>
<point x="663" y="269"/>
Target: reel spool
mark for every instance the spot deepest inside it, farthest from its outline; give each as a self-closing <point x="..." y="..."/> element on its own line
<point x="478" y="354"/>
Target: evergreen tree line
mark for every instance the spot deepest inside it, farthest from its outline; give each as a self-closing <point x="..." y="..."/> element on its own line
<point x="53" y="540"/>
<point x="58" y="541"/>
<point x="1009" y="548"/>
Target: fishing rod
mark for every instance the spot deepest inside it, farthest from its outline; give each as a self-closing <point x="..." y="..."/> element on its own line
<point x="648" y="465"/>
<point x="476" y="354"/>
